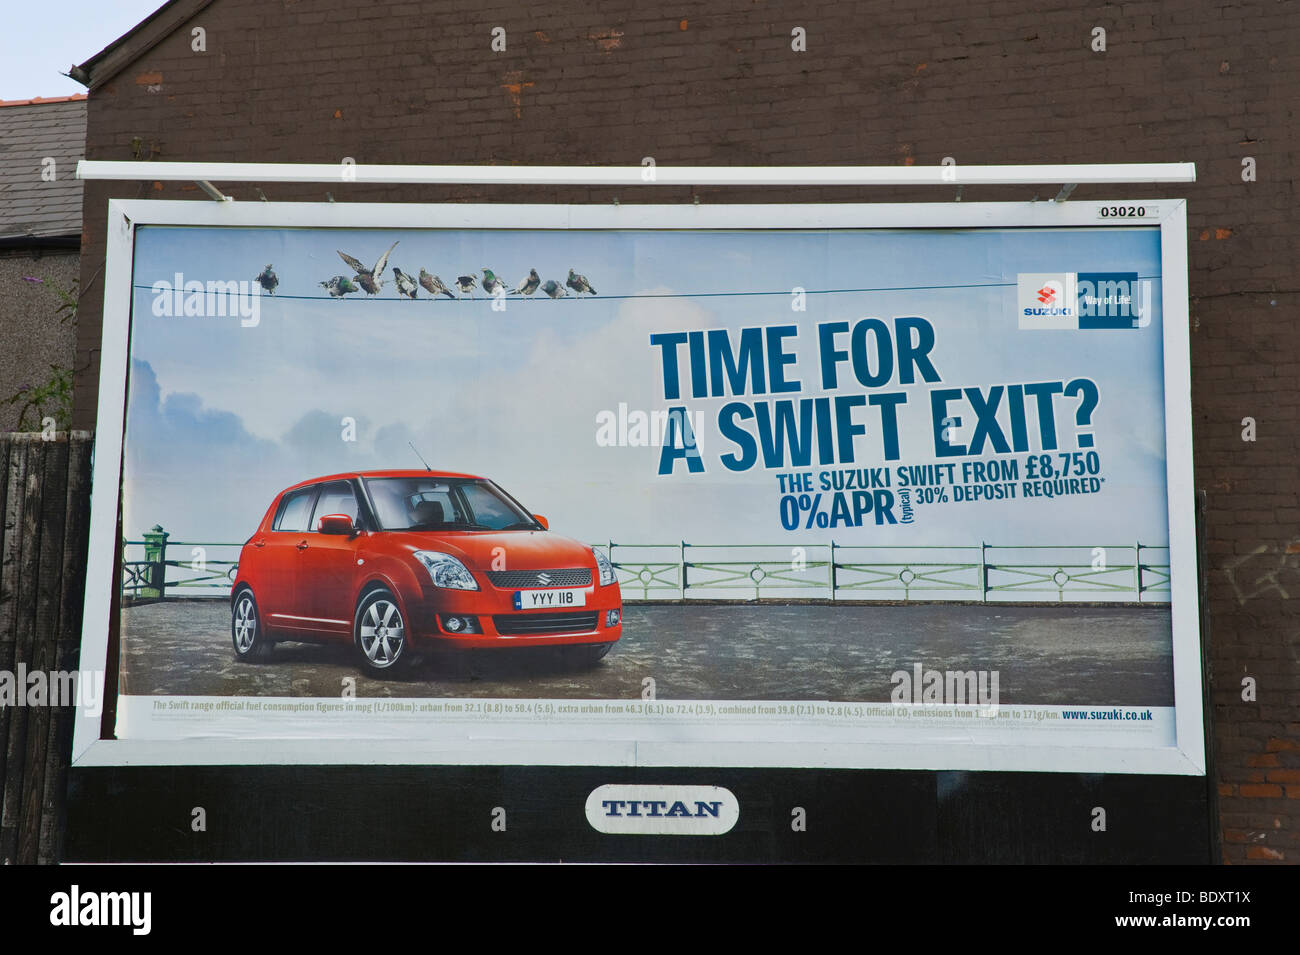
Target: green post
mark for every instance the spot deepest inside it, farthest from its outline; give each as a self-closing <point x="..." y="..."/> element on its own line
<point x="155" y="553"/>
<point x="1137" y="569"/>
<point x="984" y="574"/>
<point x="832" y="570"/>
<point x="683" y="577"/>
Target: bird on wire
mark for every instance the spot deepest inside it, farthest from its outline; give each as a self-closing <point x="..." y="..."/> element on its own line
<point x="405" y="284"/>
<point x="433" y="285"/>
<point x="339" y="286"/>
<point x="371" y="280"/>
<point x="579" y="283"/>
<point x="529" y="285"/>
<point x="268" y="280"/>
<point x="491" y="283"/>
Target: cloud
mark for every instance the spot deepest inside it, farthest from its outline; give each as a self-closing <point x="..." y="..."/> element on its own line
<point x="203" y="475"/>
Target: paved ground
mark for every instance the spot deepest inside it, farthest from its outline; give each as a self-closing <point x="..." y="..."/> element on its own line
<point x="1047" y="655"/>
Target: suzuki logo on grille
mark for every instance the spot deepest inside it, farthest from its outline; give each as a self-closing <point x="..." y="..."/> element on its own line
<point x="1046" y="294"/>
<point x="543" y="578"/>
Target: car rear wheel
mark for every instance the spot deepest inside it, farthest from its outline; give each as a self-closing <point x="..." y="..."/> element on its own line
<point x="381" y="635"/>
<point x="586" y="655"/>
<point x="250" y="640"/>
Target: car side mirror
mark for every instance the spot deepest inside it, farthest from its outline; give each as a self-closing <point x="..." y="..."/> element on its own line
<point x="541" y="520"/>
<point x="335" y="524"/>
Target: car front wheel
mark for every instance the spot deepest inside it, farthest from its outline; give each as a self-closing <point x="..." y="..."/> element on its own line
<point x="381" y="635"/>
<point x="251" y="641"/>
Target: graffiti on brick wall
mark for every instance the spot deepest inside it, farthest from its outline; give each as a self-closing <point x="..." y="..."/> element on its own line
<point x="1268" y="569"/>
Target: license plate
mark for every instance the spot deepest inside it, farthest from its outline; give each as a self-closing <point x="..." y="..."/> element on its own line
<point x="549" y="599"/>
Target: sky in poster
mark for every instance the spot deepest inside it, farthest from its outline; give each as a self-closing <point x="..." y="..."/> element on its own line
<point x="221" y="416"/>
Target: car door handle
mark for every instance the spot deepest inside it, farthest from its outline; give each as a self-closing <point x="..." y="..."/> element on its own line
<point x="302" y="545"/>
<point x="259" y="543"/>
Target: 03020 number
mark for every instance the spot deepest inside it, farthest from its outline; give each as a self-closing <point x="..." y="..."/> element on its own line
<point x="1127" y="212"/>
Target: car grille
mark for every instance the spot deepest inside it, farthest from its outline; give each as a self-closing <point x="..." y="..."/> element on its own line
<point x="536" y="624"/>
<point x="565" y="577"/>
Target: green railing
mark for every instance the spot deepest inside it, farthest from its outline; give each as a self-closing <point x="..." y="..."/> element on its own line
<point x="834" y="571"/>
<point x="826" y="571"/>
<point x="157" y="575"/>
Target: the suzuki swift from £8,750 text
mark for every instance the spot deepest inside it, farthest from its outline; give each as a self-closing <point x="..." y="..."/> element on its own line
<point x="400" y="561"/>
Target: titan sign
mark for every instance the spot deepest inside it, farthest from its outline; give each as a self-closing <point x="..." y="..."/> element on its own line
<point x="782" y="486"/>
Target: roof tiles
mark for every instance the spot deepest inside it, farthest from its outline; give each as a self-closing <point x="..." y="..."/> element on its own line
<point x="32" y="132"/>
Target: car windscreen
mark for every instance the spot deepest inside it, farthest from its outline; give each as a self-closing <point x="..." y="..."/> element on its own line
<point x="445" y="504"/>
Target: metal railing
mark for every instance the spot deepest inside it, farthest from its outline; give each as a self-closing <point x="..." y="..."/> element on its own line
<point x="202" y="575"/>
<point x="832" y="571"/>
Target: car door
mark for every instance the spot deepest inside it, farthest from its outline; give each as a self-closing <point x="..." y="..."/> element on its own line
<point x="327" y="564"/>
<point x="279" y="598"/>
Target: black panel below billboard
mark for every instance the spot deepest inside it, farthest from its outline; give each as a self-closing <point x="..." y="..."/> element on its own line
<point x="456" y="813"/>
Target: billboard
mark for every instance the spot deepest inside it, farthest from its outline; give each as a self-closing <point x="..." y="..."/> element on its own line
<point x="773" y="486"/>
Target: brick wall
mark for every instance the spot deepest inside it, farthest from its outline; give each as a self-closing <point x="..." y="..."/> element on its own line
<point x="879" y="83"/>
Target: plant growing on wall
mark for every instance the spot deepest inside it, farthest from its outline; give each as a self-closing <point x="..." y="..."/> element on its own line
<point x="51" y="398"/>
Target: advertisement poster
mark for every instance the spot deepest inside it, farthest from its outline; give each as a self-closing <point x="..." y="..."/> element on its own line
<point x="745" y="496"/>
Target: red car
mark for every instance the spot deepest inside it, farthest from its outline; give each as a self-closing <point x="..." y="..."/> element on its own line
<point x="399" y="561"/>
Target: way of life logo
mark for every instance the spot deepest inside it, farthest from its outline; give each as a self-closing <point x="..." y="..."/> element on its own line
<point x="1083" y="300"/>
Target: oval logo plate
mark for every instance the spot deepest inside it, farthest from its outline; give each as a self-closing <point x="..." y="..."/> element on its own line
<point x="662" y="810"/>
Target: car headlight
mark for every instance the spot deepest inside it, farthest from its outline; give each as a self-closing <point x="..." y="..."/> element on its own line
<point x="607" y="575"/>
<point x="446" y="571"/>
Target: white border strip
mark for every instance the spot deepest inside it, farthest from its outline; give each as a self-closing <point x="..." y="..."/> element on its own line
<point x="644" y="175"/>
<point x="106" y="471"/>
<point x="1187" y="758"/>
<point x="684" y="753"/>
<point x="1179" y="475"/>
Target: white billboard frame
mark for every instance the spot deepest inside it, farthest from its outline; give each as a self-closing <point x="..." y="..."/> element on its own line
<point x="1186" y="757"/>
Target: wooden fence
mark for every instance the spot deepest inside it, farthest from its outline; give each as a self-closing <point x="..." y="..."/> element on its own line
<point x="45" y="495"/>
